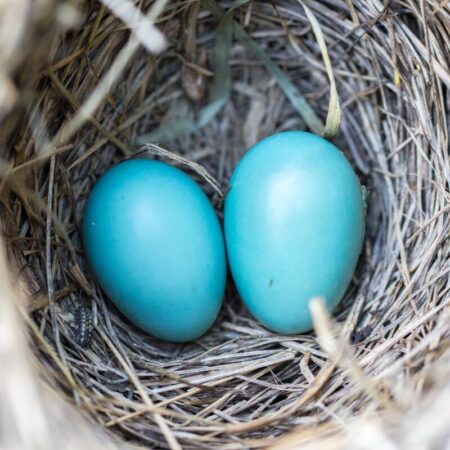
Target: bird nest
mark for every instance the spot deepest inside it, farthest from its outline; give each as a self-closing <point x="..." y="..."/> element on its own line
<point x="83" y="86"/>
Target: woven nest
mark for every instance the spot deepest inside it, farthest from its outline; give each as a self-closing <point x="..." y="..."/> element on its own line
<point x="79" y="92"/>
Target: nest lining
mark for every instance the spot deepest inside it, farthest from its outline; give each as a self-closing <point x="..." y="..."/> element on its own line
<point x="240" y="385"/>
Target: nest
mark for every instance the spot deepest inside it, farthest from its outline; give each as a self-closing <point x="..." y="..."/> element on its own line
<point x="80" y="92"/>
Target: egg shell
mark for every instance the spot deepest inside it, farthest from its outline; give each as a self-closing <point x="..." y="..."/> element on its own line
<point x="156" y="247"/>
<point x="294" y="228"/>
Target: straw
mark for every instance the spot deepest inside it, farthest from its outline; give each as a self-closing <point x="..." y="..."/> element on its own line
<point x="84" y="86"/>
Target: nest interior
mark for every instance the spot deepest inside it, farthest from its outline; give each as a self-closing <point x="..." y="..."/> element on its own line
<point x="231" y="74"/>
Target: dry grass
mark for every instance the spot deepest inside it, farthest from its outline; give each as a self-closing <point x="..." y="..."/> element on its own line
<point x="79" y="92"/>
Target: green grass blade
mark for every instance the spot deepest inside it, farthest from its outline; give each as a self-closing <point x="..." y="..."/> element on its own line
<point x="333" y="121"/>
<point x="297" y="100"/>
<point x="219" y="93"/>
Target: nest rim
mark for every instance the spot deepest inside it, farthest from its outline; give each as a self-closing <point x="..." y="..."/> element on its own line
<point x="267" y="376"/>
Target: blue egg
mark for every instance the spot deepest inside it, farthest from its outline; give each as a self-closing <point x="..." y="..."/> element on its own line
<point x="156" y="247"/>
<point x="294" y="228"/>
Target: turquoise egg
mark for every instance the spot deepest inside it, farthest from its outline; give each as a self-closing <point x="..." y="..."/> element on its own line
<point x="294" y="228"/>
<point x="156" y="247"/>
